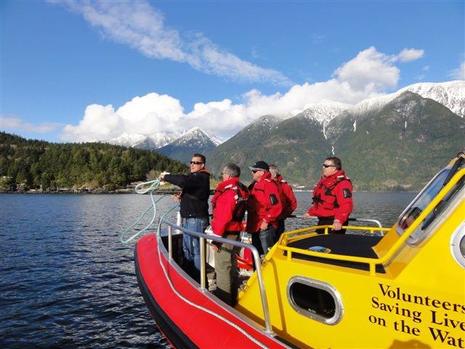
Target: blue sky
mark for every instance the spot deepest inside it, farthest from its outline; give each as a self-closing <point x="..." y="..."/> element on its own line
<point x="99" y="70"/>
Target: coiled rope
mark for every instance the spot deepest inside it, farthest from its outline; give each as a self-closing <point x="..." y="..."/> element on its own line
<point x="143" y="188"/>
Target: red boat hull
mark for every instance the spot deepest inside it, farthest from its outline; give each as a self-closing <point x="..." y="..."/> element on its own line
<point x="188" y="316"/>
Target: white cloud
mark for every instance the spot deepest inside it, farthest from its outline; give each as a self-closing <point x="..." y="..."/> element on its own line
<point x="100" y="123"/>
<point x="369" y="74"/>
<point x="409" y="54"/>
<point x="142" y="27"/>
<point x="370" y="71"/>
<point x="459" y="73"/>
<point x="16" y="124"/>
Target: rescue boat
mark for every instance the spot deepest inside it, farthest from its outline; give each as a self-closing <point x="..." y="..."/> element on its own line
<point x="374" y="287"/>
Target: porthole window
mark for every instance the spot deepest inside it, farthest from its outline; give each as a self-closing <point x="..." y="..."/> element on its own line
<point x="458" y="245"/>
<point x="315" y="299"/>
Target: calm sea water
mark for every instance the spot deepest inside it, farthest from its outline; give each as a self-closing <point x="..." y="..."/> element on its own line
<point x="66" y="281"/>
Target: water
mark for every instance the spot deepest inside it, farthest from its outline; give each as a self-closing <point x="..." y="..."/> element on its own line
<point x="67" y="282"/>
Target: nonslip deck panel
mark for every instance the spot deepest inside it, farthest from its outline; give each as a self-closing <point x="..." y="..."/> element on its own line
<point x="346" y="244"/>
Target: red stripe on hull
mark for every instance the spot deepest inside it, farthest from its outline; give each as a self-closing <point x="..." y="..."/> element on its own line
<point x="203" y="329"/>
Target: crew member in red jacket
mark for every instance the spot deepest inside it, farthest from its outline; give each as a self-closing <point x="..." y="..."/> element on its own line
<point x="288" y="199"/>
<point x="332" y="197"/>
<point x="264" y="208"/>
<point x="229" y="205"/>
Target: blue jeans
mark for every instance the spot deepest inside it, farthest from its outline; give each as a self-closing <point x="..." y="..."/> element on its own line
<point x="190" y="244"/>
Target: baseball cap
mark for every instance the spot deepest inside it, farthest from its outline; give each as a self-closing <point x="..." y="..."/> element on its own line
<point x="260" y="166"/>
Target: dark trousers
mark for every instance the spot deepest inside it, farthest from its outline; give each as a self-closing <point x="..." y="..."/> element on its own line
<point x="280" y="229"/>
<point x="263" y="240"/>
<point x="329" y="221"/>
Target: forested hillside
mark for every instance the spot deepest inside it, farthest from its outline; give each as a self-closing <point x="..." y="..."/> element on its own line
<point x="31" y="164"/>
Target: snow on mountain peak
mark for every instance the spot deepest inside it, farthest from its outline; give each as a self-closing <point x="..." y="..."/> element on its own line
<point x="325" y="111"/>
<point x="450" y="93"/>
<point x="196" y="134"/>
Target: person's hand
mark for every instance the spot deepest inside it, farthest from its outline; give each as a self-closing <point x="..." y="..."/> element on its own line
<point x="264" y="225"/>
<point x="216" y="246"/>
<point x="161" y="177"/>
<point x="177" y="197"/>
<point x="337" y="224"/>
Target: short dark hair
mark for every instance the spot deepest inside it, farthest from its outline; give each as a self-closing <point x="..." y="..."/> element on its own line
<point x="232" y="170"/>
<point x="336" y="161"/>
<point x="201" y="156"/>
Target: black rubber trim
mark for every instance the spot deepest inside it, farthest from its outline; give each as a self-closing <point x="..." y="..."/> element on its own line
<point x="172" y="332"/>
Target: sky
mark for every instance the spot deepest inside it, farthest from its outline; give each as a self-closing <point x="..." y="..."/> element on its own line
<point x="77" y="71"/>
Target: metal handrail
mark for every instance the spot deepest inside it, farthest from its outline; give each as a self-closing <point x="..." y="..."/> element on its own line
<point x="372" y="262"/>
<point x="282" y="245"/>
<point x="366" y="220"/>
<point x="202" y="237"/>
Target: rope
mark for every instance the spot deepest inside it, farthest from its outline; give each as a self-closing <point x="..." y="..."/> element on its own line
<point x="143" y="188"/>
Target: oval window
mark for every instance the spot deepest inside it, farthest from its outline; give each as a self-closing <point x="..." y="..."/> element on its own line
<point x="315" y="299"/>
<point x="458" y="245"/>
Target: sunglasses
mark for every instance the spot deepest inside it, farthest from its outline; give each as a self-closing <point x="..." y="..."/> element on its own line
<point x="326" y="166"/>
<point x="196" y="163"/>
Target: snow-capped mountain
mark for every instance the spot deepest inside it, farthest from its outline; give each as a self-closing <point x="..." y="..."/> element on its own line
<point x="128" y="140"/>
<point x="192" y="141"/>
<point x="325" y="110"/>
<point x="139" y="141"/>
<point x="195" y="136"/>
<point x="450" y="94"/>
<point x="394" y="144"/>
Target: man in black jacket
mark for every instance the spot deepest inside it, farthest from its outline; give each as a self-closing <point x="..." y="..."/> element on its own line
<point x="194" y="208"/>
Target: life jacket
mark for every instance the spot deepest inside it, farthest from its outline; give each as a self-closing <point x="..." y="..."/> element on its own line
<point x="241" y="196"/>
<point x="264" y="203"/>
<point x="328" y="192"/>
<point x="287" y="197"/>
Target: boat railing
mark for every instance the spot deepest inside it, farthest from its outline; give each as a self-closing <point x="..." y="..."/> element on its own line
<point x="203" y="263"/>
<point x="387" y="256"/>
<point x="304" y="233"/>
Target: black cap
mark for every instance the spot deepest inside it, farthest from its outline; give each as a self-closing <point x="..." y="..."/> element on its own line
<point x="260" y="166"/>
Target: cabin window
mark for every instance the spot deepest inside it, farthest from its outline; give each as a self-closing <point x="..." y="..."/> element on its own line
<point x="315" y="299"/>
<point x="458" y="245"/>
<point x="421" y="201"/>
<point x="421" y="231"/>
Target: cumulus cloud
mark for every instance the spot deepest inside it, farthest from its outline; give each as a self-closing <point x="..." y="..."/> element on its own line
<point x="370" y="73"/>
<point x="18" y="125"/>
<point x="370" y="70"/>
<point x="142" y="27"/>
<point x="144" y="115"/>
<point x="459" y="73"/>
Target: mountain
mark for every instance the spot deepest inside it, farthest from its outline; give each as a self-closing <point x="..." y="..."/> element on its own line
<point x="139" y="141"/>
<point x="450" y="94"/>
<point x="400" y="145"/>
<point x="233" y="149"/>
<point x="276" y="141"/>
<point x="193" y="141"/>
<point x="393" y="142"/>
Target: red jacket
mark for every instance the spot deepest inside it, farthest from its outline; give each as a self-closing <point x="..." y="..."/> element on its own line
<point x="332" y="197"/>
<point x="224" y="203"/>
<point x="264" y="204"/>
<point x="288" y="199"/>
